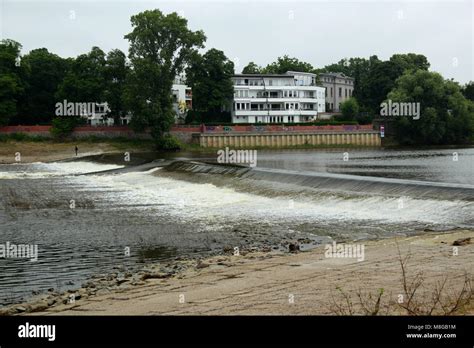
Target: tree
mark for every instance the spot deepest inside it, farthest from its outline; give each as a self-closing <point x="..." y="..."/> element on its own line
<point x="375" y="78"/>
<point x="45" y="71"/>
<point x="410" y="61"/>
<point x="115" y="74"/>
<point x="160" y="47"/>
<point x="252" y="68"/>
<point x="210" y="77"/>
<point x="285" y="63"/>
<point x="350" y="109"/>
<point x="446" y="116"/>
<point x="468" y="90"/>
<point x="85" y="81"/>
<point x="11" y="79"/>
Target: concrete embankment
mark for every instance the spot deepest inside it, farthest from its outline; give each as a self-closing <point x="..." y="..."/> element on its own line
<point x="280" y="140"/>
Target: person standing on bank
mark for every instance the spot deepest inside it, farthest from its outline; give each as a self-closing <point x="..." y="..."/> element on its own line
<point x="76" y="149"/>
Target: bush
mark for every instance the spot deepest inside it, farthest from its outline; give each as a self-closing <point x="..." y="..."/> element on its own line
<point x="168" y="142"/>
<point x="350" y="108"/>
<point x="62" y="127"/>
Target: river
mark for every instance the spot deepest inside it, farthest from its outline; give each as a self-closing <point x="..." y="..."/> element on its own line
<point x="85" y="224"/>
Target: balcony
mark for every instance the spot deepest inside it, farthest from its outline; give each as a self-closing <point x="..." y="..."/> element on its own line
<point x="281" y="112"/>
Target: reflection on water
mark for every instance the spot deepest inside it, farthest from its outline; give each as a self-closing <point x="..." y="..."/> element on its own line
<point x="429" y="165"/>
<point x="158" y="216"/>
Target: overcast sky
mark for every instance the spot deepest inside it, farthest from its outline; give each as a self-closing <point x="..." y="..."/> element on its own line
<point x="319" y="32"/>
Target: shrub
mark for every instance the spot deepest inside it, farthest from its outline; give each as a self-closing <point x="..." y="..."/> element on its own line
<point x="168" y="142"/>
<point x="62" y="127"/>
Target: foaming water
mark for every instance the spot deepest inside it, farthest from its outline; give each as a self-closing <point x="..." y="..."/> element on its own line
<point x="39" y="170"/>
<point x="208" y="202"/>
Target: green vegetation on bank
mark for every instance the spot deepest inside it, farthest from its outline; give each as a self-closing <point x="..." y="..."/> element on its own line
<point x="117" y="142"/>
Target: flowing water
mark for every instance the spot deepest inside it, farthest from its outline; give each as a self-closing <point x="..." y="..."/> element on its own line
<point x="83" y="223"/>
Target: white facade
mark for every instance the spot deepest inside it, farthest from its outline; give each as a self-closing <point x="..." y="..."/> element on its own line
<point x="98" y="117"/>
<point x="287" y="98"/>
<point x="182" y="100"/>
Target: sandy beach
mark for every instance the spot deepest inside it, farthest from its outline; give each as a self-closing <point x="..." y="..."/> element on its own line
<point x="302" y="283"/>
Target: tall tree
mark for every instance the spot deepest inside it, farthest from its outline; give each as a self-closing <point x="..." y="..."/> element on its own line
<point x="12" y="74"/>
<point x="210" y="76"/>
<point x="375" y="78"/>
<point x="252" y="68"/>
<point x="45" y="71"/>
<point x="285" y="63"/>
<point x="85" y="81"/>
<point x="115" y="74"/>
<point x="446" y="116"/>
<point x="468" y="90"/>
<point x="160" y="47"/>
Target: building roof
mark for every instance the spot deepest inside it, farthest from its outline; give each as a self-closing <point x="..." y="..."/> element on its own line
<point x="299" y="73"/>
<point x="264" y="75"/>
<point x="336" y="74"/>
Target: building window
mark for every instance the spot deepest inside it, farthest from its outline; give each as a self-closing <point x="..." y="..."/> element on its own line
<point x="340" y="92"/>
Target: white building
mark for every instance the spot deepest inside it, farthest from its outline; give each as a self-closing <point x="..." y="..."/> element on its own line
<point x="182" y="102"/>
<point x="99" y="116"/>
<point x="271" y="98"/>
<point x="182" y="99"/>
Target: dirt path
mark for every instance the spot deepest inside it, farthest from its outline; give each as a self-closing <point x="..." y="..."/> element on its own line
<point x="296" y="284"/>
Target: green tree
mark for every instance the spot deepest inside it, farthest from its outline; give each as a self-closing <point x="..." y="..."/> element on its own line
<point x="45" y="71"/>
<point x="210" y="77"/>
<point x="115" y="74"/>
<point x="468" y="90"/>
<point x="285" y="63"/>
<point x="446" y="116"/>
<point x="375" y="78"/>
<point x="350" y="109"/>
<point x="12" y="75"/>
<point x="252" y="68"/>
<point x="85" y="80"/>
<point x="410" y="61"/>
<point x="160" y="47"/>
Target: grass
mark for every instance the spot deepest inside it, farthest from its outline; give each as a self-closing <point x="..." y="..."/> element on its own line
<point x="118" y="142"/>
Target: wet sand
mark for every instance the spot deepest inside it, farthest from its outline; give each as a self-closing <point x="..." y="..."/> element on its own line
<point x="303" y="283"/>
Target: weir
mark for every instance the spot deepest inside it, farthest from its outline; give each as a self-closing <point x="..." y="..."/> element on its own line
<point x="329" y="182"/>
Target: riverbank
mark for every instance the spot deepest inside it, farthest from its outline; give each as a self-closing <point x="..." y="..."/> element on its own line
<point x="301" y="283"/>
<point x="44" y="150"/>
